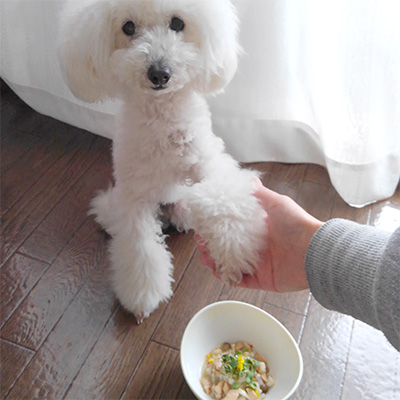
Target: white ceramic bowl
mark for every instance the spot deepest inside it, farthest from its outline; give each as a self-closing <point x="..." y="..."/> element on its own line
<point x="230" y="321"/>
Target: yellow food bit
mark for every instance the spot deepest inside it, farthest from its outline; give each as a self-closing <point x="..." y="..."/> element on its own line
<point x="240" y="360"/>
<point x="257" y="393"/>
<point x="210" y="360"/>
<point x="208" y="355"/>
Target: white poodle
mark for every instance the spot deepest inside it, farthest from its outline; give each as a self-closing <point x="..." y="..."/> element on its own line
<point x="161" y="57"/>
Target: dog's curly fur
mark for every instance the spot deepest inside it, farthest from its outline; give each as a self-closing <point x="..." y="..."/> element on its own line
<point x="164" y="150"/>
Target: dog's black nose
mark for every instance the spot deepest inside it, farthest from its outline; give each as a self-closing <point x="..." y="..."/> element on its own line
<point x="159" y="75"/>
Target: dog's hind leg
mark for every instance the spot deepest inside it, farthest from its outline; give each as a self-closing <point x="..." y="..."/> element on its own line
<point x="142" y="268"/>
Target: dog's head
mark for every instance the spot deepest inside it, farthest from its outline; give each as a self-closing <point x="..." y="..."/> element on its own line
<point x="156" y="46"/>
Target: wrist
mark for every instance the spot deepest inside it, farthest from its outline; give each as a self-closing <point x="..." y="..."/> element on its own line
<point x="311" y="227"/>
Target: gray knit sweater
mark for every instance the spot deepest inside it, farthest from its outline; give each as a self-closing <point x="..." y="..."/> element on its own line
<point x="355" y="269"/>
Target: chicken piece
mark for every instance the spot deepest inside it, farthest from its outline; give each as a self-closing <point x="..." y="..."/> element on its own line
<point x="266" y="382"/>
<point x="262" y="360"/>
<point x="218" y="363"/>
<point x="243" y="395"/>
<point x="225" y="388"/>
<point x="206" y="383"/>
<point x="226" y="346"/>
<point x="217" y="390"/>
<point x="252" y="394"/>
<point x="232" y="395"/>
<point x="262" y="382"/>
<point x="262" y="368"/>
<point x="270" y="381"/>
<point x="216" y="352"/>
<point x="240" y="345"/>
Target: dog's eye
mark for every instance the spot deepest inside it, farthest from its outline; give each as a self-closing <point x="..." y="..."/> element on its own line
<point x="177" y="24"/>
<point x="129" y="28"/>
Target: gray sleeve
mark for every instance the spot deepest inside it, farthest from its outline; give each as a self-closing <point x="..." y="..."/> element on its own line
<point x="355" y="269"/>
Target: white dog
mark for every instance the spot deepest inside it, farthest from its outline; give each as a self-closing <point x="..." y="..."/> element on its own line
<point x="161" y="57"/>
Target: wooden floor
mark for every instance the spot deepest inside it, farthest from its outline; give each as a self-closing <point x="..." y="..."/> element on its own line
<point x="63" y="335"/>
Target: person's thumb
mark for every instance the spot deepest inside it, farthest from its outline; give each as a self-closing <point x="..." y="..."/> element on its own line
<point x="265" y="195"/>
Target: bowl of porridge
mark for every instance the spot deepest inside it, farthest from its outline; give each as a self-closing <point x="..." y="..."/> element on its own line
<point x="232" y="350"/>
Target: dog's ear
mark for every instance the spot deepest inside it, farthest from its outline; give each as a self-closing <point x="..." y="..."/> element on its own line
<point x="220" y="44"/>
<point x="86" y="41"/>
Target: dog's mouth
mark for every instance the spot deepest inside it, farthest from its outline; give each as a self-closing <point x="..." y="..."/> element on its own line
<point x="159" y="87"/>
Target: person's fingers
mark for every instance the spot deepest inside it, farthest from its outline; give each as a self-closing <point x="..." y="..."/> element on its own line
<point x="209" y="263"/>
<point x="248" y="280"/>
<point x="203" y="259"/>
<point x="267" y="196"/>
<point x="257" y="182"/>
<point x="215" y="274"/>
<point x="206" y="260"/>
<point x="201" y="244"/>
<point x="202" y="247"/>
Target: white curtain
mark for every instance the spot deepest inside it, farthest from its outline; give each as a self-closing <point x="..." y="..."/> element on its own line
<point x="319" y="83"/>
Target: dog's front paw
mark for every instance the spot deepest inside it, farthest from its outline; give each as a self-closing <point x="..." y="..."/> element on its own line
<point x="235" y="242"/>
<point x="237" y="253"/>
<point x="231" y="275"/>
<point x="231" y="221"/>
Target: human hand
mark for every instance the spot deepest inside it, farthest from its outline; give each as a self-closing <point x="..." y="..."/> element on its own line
<point x="290" y="230"/>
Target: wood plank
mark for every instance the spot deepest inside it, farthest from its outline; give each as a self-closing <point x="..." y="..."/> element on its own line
<point x="41" y="309"/>
<point x="385" y="214"/>
<point x="293" y="322"/>
<point x="29" y="169"/>
<point x="317" y="174"/>
<point x="13" y="361"/>
<point x="343" y="210"/>
<point x="372" y="367"/>
<point x="251" y="296"/>
<point x="182" y="247"/>
<point x="158" y="376"/>
<point x="287" y="179"/>
<point x="317" y="199"/>
<point x="292" y="301"/>
<point x="17" y="277"/>
<point x="198" y="288"/>
<point x="324" y="345"/>
<point x="59" y="359"/>
<point x="113" y="360"/>
<point x="7" y="96"/>
<point x="18" y="116"/>
<point x="20" y="221"/>
<point x="265" y="168"/>
<point x="14" y="147"/>
<point x="50" y="237"/>
<point x="185" y="393"/>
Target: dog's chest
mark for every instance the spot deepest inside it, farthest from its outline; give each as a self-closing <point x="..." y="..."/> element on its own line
<point x="167" y="138"/>
<point x="181" y="153"/>
<point x="180" y="143"/>
<point x="176" y="140"/>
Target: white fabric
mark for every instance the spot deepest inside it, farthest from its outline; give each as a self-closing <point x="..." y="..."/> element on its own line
<point x="319" y="83"/>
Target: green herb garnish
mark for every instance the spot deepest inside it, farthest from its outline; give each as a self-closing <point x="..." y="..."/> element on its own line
<point x="239" y="367"/>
